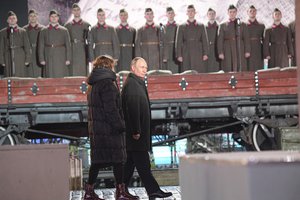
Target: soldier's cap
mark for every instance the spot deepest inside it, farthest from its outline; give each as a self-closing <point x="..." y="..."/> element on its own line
<point x="11" y="13"/>
<point x="210" y="9"/>
<point x="100" y="10"/>
<point x="191" y="6"/>
<point x="276" y="10"/>
<point x="231" y="7"/>
<point x="252" y="7"/>
<point x="75" y="5"/>
<point x="148" y="10"/>
<point x="169" y="9"/>
<point x="53" y="12"/>
<point x="32" y="11"/>
<point x="123" y="11"/>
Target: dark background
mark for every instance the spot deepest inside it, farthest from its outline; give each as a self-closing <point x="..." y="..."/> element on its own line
<point x="20" y="7"/>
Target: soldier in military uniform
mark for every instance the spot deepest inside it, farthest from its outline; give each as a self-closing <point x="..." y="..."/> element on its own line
<point x="170" y="37"/>
<point x="191" y="43"/>
<point x="278" y="43"/>
<point x="212" y="64"/>
<point x="292" y="27"/>
<point x="103" y="39"/>
<point x="33" y="29"/>
<point x="78" y="30"/>
<point x="126" y="35"/>
<point x="149" y="43"/>
<point x="233" y="43"/>
<point x="256" y="33"/>
<point x="14" y="47"/>
<point x="54" y="48"/>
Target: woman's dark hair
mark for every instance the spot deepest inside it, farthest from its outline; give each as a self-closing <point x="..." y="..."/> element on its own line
<point x="105" y="61"/>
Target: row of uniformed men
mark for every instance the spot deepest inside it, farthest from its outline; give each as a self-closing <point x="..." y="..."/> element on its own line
<point x="57" y="51"/>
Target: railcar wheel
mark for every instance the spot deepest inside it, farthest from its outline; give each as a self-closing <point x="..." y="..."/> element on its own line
<point x="261" y="138"/>
<point x="267" y="138"/>
<point x="6" y="139"/>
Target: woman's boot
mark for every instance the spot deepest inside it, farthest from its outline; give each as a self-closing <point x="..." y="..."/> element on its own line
<point x="122" y="194"/>
<point x="90" y="193"/>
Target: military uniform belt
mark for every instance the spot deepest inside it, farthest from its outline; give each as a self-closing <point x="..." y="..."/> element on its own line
<point x="170" y="42"/>
<point x="103" y="43"/>
<point x="282" y="43"/>
<point x="15" y="47"/>
<point x="149" y="43"/>
<point x="192" y="39"/>
<point x="126" y="45"/>
<point x="54" y="45"/>
<point x="231" y="38"/>
<point x="77" y="41"/>
<point x="255" y="38"/>
<point x="33" y="45"/>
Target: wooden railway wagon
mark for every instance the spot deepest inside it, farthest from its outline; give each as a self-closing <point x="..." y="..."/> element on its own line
<point x="252" y="105"/>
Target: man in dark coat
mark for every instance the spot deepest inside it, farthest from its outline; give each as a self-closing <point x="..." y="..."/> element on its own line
<point x="14" y="47"/>
<point x="292" y="27"/>
<point x="212" y="64"/>
<point x="278" y="43"/>
<point x="78" y="30"/>
<point x="256" y="33"/>
<point x="149" y="43"/>
<point x="233" y="43"/>
<point x="33" y="29"/>
<point x="103" y="39"/>
<point x="191" y="43"/>
<point x="137" y="114"/>
<point x="170" y="37"/>
<point x="54" y="48"/>
<point x="126" y="35"/>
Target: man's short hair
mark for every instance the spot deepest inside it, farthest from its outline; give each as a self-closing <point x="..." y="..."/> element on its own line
<point x="148" y="10"/>
<point x="53" y="12"/>
<point x="211" y="10"/>
<point x="123" y="11"/>
<point x="231" y="7"/>
<point x="169" y="9"/>
<point x="75" y="5"/>
<point x="100" y="10"/>
<point x="32" y="11"/>
<point x="252" y="7"/>
<point x="11" y="13"/>
<point x="191" y="6"/>
<point x="135" y="60"/>
<point x="277" y="10"/>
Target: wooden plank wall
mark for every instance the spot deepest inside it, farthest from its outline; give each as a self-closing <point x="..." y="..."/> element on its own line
<point x="3" y="92"/>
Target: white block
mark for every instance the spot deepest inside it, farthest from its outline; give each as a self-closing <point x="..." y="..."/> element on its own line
<point x="240" y="176"/>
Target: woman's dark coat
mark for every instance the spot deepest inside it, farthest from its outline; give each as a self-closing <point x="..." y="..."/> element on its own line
<point x="137" y="113"/>
<point x="105" y="120"/>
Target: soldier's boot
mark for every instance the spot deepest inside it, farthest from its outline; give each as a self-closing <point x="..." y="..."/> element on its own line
<point x="90" y="193"/>
<point x="122" y="194"/>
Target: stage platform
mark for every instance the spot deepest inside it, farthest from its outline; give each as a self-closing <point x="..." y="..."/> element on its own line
<point x="108" y="194"/>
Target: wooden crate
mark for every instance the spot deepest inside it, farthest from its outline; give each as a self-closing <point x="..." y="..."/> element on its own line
<point x="75" y="173"/>
<point x="289" y="138"/>
<point x="166" y="177"/>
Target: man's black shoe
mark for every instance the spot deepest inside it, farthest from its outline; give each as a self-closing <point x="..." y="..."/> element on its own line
<point x="160" y="194"/>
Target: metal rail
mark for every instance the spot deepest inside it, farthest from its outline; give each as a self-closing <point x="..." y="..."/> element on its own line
<point x="196" y="133"/>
